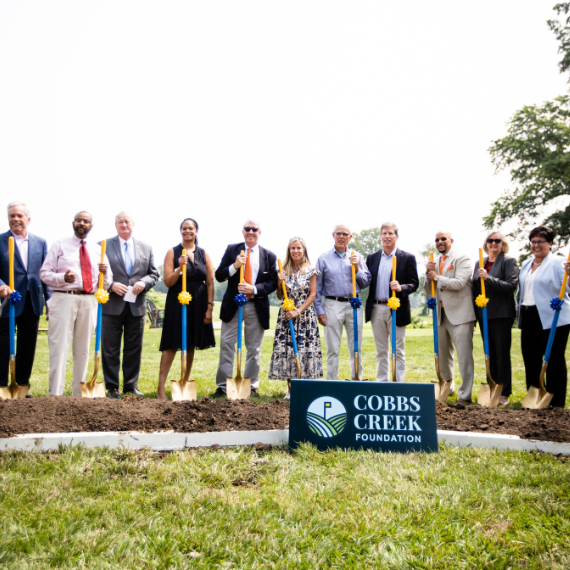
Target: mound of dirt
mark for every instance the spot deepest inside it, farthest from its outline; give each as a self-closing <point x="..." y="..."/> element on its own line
<point x="67" y="414"/>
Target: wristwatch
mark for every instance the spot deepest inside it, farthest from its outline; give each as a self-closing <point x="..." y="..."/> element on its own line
<point x="211" y="303"/>
<point x="436" y="278"/>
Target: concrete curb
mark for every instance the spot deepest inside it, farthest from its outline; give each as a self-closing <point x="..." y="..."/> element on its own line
<point x="170" y="441"/>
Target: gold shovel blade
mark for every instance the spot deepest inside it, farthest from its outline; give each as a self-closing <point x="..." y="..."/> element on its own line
<point x="442" y="387"/>
<point x="490" y="393"/>
<point x="238" y="388"/>
<point x="538" y="398"/>
<point x="183" y="391"/>
<point x="14" y="391"/>
<point x="93" y="389"/>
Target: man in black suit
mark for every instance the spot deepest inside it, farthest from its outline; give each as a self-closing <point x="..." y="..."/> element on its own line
<point x="132" y="264"/>
<point x="260" y="280"/>
<point x="380" y="266"/>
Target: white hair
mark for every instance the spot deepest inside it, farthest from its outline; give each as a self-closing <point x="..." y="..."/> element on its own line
<point x="123" y="213"/>
<point x="345" y="225"/>
<point x="253" y="222"/>
<point x="12" y="204"/>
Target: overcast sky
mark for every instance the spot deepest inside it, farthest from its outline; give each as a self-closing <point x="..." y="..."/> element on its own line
<point x="298" y="114"/>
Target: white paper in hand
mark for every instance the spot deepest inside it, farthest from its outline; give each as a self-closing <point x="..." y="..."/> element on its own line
<point x="129" y="296"/>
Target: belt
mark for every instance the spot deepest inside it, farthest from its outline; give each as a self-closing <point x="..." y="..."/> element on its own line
<point x="527" y="307"/>
<point x="381" y="302"/>
<point x="73" y="292"/>
<point x="341" y="299"/>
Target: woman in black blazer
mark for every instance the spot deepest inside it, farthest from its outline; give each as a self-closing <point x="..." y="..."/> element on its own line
<point x="501" y="276"/>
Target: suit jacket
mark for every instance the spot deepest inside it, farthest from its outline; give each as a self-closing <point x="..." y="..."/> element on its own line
<point x="406" y="275"/>
<point x="547" y="283"/>
<point x="453" y="289"/>
<point x="143" y="270"/>
<point x="26" y="281"/>
<point x="266" y="283"/>
<point x="500" y="286"/>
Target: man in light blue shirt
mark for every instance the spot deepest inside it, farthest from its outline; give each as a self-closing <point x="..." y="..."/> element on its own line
<point x="334" y="283"/>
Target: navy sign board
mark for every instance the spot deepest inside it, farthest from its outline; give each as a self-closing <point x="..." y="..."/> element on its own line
<point x="384" y="416"/>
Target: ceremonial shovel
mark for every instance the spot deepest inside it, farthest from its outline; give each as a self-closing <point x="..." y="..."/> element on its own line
<point x="394" y="304"/>
<point x="13" y="391"/>
<point x="443" y="387"/>
<point x="538" y="397"/>
<point x="289" y="305"/>
<point x="355" y="303"/>
<point x="490" y="393"/>
<point x="239" y="388"/>
<point x="183" y="390"/>
<point x="94" y="389"/>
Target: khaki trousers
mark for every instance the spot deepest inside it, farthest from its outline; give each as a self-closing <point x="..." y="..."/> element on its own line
<point x="460" y="336"/>
<point x="381" y="322"/>
<point x="252" y="340"/>
<point x="71" y="318"/>
<point x="339" y="315"/>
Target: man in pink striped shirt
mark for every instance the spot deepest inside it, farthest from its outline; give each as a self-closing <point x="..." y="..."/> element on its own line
<point x="71" y="269"/>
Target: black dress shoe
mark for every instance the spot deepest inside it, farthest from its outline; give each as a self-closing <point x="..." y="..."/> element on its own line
<point x="254" y="393"/>
<point x="114" y="394"/>
<point x="134" y="392"/>
<point x="219" y="393"/>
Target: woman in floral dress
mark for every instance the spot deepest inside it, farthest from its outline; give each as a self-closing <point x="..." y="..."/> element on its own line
<point x="300" y="279"/>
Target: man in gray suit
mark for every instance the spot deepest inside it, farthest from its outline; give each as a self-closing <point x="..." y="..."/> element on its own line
<point x="133" y="267"/>
<point x="455" y="314"/>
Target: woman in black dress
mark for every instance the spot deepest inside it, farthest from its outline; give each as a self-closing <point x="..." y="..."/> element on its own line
<point x="200" y="284"/>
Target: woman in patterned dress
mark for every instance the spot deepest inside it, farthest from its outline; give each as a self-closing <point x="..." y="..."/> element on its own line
<point x="300" y="279"/>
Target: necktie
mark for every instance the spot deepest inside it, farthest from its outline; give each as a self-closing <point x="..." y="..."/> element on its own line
<point x="128" y="258"/>
<point x="86" y="273"/>
<point x="442" y="263"/>
<point x="247" y="271"/>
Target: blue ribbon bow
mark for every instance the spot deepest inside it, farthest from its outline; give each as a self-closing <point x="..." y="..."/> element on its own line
<point x="356" y="302"/>
<point x="240" y="299"/>
<point x="15" y="297"/>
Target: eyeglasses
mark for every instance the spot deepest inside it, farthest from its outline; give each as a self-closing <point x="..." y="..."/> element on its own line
<point x="437" y="240"/>
<point x="497" y="241"/>
<point x="249" y="229"/>
<point x="540" y="242"/>
<point x="341" y="234"/>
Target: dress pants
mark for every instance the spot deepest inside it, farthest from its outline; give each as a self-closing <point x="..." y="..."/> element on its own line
<point x="381" y="322"/>
<point x="460" y="337"/>
<point x="27" y="325"/>
<point x="113" y="329"/>
<point x="253" y="338"/>
<point x="71" y="318"/>
<point x="533" y="345"/>
<point x="500" y="335"/>
<point x="339" y="314"/>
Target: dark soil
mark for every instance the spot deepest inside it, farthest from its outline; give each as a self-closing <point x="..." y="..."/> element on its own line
<point x="67" y="414"/>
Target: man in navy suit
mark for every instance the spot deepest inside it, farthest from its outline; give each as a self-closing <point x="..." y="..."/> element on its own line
<point x="260" y="280"/>
<point x="381" y="287"/>
<point x="29" y="254"/>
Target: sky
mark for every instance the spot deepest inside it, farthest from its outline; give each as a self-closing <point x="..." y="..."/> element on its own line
<point x="300" y="115"/>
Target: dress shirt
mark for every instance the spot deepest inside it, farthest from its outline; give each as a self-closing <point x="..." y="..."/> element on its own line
<point x="384" y="276"/>
<point x="63" y="256"/>
<point x="131" y="243"/>
<point x="22" y="245"/>
<point x="335" y="278"/>
<point x="254" y="260"/>
<point x="528" y="293"/>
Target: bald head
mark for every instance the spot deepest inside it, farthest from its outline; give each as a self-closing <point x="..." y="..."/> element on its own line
<point x="443" y="242"/>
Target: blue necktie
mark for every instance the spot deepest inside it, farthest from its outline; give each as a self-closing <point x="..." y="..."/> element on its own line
<point x="128" y="258"/>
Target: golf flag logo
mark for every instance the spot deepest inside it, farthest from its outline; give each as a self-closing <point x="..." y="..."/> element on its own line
<point x="326" y="417"/>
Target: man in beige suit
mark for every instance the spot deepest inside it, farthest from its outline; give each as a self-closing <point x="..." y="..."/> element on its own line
<point x="455" y="316"/>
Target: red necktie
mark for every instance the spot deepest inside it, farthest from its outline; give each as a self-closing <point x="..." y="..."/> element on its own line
<point x="86" y="273"/>
<point x="247" y="271"/>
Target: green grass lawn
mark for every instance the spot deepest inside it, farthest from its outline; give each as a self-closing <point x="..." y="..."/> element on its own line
<point x="237" y="508"/>
<point x="419" y="363"/>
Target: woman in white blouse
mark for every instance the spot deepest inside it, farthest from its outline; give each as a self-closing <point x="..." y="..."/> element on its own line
<point x="540" y="280"/>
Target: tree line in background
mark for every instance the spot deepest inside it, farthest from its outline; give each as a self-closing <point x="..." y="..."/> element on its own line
<point x="536" y="152"/>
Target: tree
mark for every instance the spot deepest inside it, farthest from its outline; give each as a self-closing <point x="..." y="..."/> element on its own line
<point x="536" y="152"/>
<point x="160" y="286"/>
<point x="419" y="298"/>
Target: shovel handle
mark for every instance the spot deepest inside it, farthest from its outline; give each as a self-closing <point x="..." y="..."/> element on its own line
<point x="353" y="278"/>
<point x="432" y="283"/>
<point x="101" y="274"/>
<point x="394" y="273"/>
<point x="562" y="288"/>
<point x="11" y="259"/>
<point x="183" y="273"/>
<point x="284" y="288"/>
<point x="241" y="268"/>
<point x="481" y="266"/>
